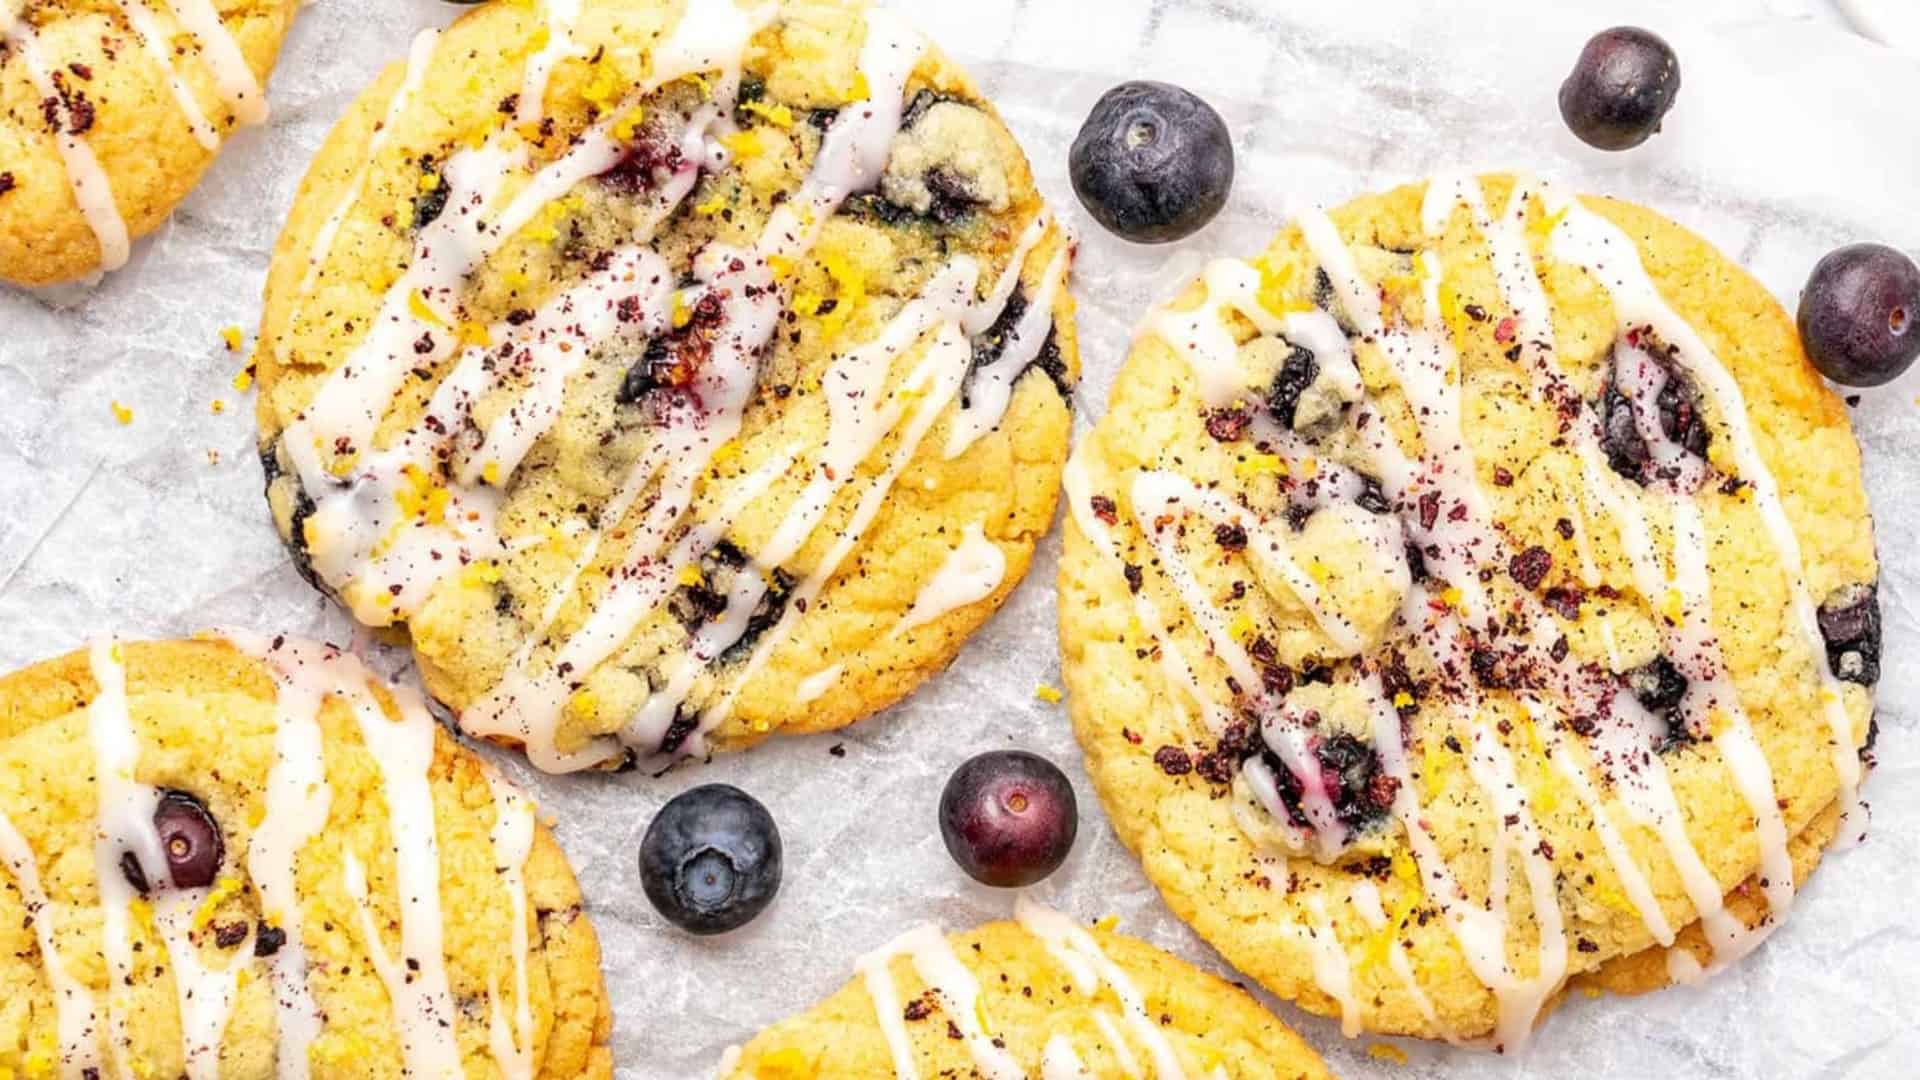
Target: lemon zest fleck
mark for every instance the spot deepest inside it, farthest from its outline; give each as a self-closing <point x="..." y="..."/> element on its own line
<point x="243" y="380"/>
<point x="1388" y="1053"/>
<point x="1049" y="694"/>
<point x="122" y="413"/>
<point x="712" y="206"/>
<point x="776" y="114"/>
<point x="234" y="337"/>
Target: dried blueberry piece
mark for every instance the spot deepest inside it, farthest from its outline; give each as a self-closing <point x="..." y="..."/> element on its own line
<point x="1372" y="498"/>
<point x="672" y="361"/>
<point x="268" y="940"/>
<point x="1680" y="414"/>
<point x="1295" y="375"/>
<point x="428" y="205"/>
<point x="1626" y="450"/>
<point x="1850" y="622"/>
<point x="1361" y="792"/>
<point x="644" y="164"/>
<point x="190" y="838"/>
<point x="1660" y="688"/>
<point x="1620" y="89"/>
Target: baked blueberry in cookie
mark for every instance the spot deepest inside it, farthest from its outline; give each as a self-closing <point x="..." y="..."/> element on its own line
<point x="248" y="857"/>
<point x="1039" y="996"/>
<point x="672" y="374"/>
<point x="114" y="111"/>
<point x="1456" y="607"/>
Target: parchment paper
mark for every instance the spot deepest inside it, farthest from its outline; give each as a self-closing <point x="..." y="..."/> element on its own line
<point x="1791" y="137"/>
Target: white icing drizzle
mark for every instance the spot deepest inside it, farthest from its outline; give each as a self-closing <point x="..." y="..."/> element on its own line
<point x="512" y="837"/>
<point x="1059" y="1061"/>
<point x="231" y="72"/>
<point x="959" y="995"/>
<point x="1103" y="1019"/>
<point x="298" y="802"/>
<point x="126" y="828"/>
<point x="560" y="45"/>
<point x="968" y="575"/>
<point x="1588" y="240"/>
<point x="416" y="981"/>
<point x="419" y="58"/>
<point x="1081" y="955"/>
<point x="91" y="192"/>
<point x="157" y="43"/>
<point x="1332" y="971"/>
<point x="76" y="1011"/>
<point x="816" y="685"/>
<point x="990" y="389"/>
<point x="1366" y="900"/>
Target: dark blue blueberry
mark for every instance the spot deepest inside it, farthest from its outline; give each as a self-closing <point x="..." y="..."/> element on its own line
<point x="710" y="861"/>
<point x="1008" y="817"/>
<point x="1296" y="373"/>
<point x="1153" y="163"/>
<point x="1620" y="89"/>
<point x="1857" y="315"/>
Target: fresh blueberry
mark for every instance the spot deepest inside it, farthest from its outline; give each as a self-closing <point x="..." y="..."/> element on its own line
<point x="1153" y="163"/>
<point x="1857" y="315"/>
<point x="710" y="861"/>
<point x="190" y="838"/>
<point x="1620" y="89"/>
<point x="1008" y="817"/>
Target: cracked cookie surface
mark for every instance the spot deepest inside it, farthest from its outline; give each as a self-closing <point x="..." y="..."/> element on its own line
<point x="674" y="374"/>
<point x="226" y="858"/>
<point x="1473" y="593"/>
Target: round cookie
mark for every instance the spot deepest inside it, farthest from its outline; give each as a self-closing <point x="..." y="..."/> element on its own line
<point x="109" y="113"/>
<point x="672" y="374"/>
<point x="1466" y="596"/>
<point x="1038" y="996"/>
<point x="252" y="859"/>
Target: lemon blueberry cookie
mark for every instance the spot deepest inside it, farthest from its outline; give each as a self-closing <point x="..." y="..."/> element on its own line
<point x="1041" y="996"/>
<point x="671" y="374"/>
<point x="247" y="858"/>
<point x="109" y="113"/>
<point x="1466" y="595"/>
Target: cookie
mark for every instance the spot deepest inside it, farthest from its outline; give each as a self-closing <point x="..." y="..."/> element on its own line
<point x="1041" y="996"/>
<point x="109" y="113"/>
<point x="670" y="375"/>
<point x="249" y="858"/>
<point x="1464" y="597"/>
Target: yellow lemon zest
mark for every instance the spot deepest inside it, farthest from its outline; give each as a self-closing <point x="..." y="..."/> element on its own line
<point x="601" y="88"/>
<point x="1673" y="606"/>
<point x="699" y="80"/>
<point x="744" y="145"/>
<point x="244" y="380"/>
<point x="1242" y="627"/>
<point x="418" y="307"/>
<point x="776" y="114"/>
<point x="712" y="206"/>
<point x="234" y="337"/>
<point x="122" y="413"/>
<point x="807" y="303"/>
<point x="421" y="497"/>
<point x="475" y="334"/>
<point x="218" y="406"/>
<point x="1386" y="1052"/>
<point x="228" y="888"/>
<point x="780" y="265"/>
<point x="1048" y="694"/>
<point x="583" y="704"/>
<point x="1402" y="699"/>
<point x="1107" y="923"/>
<point x="1451" y="597"/>
<point x="690" y="575"/>
<point x="481" y="573"/>
<point x="1254" y="465"/>
<point x="490" y="474"/>
<point x="429" y="181"/>
<point x="629" y="122"/>
<point x="850" y="288"/>
<point x="682" y="314"/>
<point x="786" y="1063"/>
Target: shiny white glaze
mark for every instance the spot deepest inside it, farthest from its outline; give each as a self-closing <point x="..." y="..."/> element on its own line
<point x="76" y="1011"/>
<point x="990" y="389"/>
<point x="1081" y="955"/>
<point x="511" y="1042"/>
<point x="969" y="574"/>
<point x="158" y="46"/>
<point x="959" y="993"/>
<point x="231" y="72"/>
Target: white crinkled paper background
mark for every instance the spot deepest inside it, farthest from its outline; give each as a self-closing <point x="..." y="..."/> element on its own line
<point x="1791" y="137"/>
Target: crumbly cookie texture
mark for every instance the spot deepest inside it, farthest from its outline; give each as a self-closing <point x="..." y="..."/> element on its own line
<point x="1007" y="1000"/>
<point x="326" y="793"/>
<point x="672" y="374"/>
<point x="1472" y="595"/>
<point x="110" y="113"/>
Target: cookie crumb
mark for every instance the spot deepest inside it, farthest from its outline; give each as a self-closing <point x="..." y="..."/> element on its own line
<point x="1388" y="1053"/>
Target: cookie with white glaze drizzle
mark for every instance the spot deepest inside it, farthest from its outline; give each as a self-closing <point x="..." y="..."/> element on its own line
<point x="245" y="856"/>
<point x="1489" y="606"/>
<point x="118" y="109"/>
<point x="1040" y="996"/>
<point x="673" y="374"/>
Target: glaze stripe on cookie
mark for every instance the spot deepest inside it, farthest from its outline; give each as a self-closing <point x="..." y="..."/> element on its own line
<point x="87" y="180"/>
<point x="370" y="539"/>
<point x="154" y="40"/>
<point x="141" y="900"/>
<point x="1437" y="500"/>
<point x="959" y="993"/>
